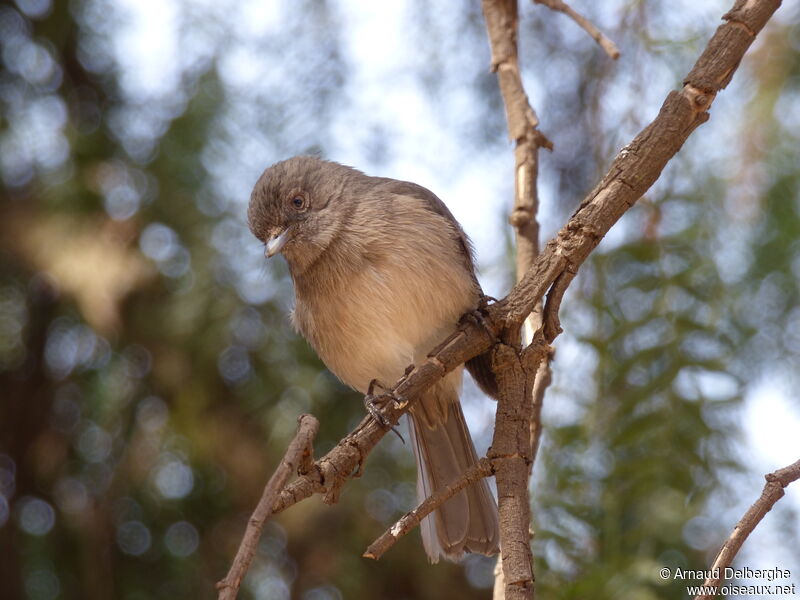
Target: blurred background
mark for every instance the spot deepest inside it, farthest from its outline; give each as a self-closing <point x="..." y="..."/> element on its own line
<point x="149" y="380"/>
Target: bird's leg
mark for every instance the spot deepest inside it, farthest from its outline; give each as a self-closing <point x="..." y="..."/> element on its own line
<point x="374" y="403"/>
<point x="477" y="316"/>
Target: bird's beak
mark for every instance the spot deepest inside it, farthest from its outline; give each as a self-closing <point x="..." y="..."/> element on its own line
<point x="276" y="243"/>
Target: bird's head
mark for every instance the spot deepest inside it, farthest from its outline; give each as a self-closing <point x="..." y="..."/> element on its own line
<point x="298" y="207"/>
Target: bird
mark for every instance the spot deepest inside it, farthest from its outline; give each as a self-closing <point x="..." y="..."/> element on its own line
<point x="383" y="272"/>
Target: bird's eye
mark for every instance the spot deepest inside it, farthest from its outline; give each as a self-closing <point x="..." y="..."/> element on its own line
<point x="299" y="203"/>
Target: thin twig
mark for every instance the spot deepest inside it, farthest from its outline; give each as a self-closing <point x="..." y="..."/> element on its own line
<point x="407" y="522"/>
<point x="502" y="25"/>
<point x="552" y="323"/>
<point x="772" y="492"/>
<point x="589" y="27"/>
<point x="296" y="455"/>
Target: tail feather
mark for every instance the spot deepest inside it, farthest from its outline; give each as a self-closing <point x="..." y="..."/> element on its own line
<point x="468" y="521"/>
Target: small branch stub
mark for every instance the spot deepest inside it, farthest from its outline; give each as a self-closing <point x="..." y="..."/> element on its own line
<point x="606" y="44"/>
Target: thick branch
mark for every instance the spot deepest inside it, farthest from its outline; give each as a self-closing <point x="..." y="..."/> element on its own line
<point x="510" y="456"/>
<point x="585" y="24"/>
<point x="298" y="453"/>
<point x="408" y="521"/>
<point x="772" y="492"/>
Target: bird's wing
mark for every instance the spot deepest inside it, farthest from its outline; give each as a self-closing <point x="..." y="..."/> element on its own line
<point x="435" y="205"/>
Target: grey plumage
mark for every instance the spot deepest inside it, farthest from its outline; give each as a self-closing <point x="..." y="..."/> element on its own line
<point x="382" y="272"/>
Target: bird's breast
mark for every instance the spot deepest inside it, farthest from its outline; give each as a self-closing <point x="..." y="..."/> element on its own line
<point x="371" y="323"/>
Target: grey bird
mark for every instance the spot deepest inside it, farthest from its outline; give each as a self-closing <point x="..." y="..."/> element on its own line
<point x="382" y="272"/>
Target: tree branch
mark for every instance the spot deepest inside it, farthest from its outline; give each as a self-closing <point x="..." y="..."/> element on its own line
<point x="502" y="25"/>
<point x="585" y="24"/>
<point x="544" y="377"/>
<point x="299" y="453"/>
<point x="772" y="492"/>
<point x="551" y="321"/>
<point x="411" y="519"/>
<point x="510" y="455"/>
<point x="343" y="461"/>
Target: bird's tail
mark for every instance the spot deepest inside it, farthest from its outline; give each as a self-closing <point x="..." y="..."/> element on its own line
<point x="468" y="521"/>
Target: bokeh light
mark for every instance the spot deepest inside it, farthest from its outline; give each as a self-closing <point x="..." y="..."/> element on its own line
<point x="133" y="537"/>
<point x="325" y="592"/>
<point x="173" y="478"/>
<point x="42" y="584"/>
<point x="267" y="583"/>
<point x="4" y="510"/>
<point x="181" y="539"/>
<point x="94" y="444"/>
<point x="71" y="496"/>
<point x="35" y="516"/>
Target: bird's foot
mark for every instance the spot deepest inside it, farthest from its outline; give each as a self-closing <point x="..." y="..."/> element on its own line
<point x="375" y="404"/>
<point x="477" y="316"/>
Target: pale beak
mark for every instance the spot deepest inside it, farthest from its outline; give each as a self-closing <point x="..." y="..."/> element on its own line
<point x="276" y="243"/>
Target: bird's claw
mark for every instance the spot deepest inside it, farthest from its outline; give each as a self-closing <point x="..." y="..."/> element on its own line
<point x="485" y="300"/>
<point x="478" y="317"/>
<point x="374" y="403"/>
